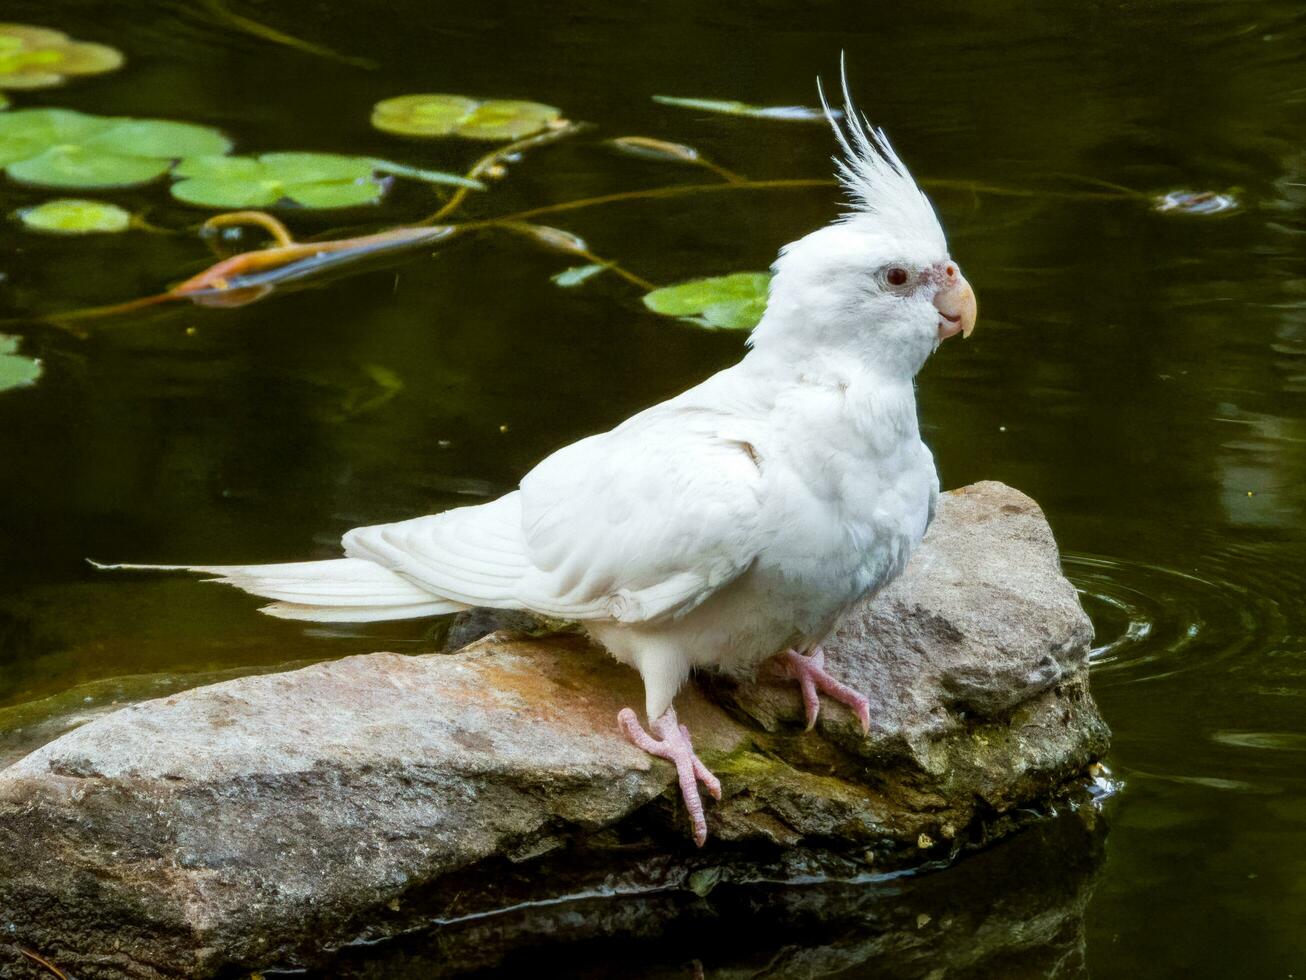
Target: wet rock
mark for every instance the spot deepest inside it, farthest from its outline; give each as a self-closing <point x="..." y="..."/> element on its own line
<point x="1014" y="910"/>
<point x="262" y="821"/>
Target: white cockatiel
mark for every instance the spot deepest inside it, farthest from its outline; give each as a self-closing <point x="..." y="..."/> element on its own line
<point x="731" y="524"/>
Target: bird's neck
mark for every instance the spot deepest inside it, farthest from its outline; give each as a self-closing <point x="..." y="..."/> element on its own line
<point x="823" y="368"/>
<point x="811" y="333"/>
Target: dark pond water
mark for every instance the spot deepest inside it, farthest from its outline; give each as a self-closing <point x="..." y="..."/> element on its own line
<point x="1142" y="374"/>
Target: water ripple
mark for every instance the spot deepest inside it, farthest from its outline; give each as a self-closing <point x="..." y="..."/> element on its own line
<point x="1154" y="622"/>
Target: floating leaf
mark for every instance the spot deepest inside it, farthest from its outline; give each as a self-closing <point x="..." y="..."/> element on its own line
<point x="312" y="180"/>
<point x="792" y="113"/>
<point x="75" y="166"/>
<point x="28" y="132"/>
<point x="316" y="168"/>
<point x="645" y="146"/>
<point x="422" y="115"/>
<point x="16" y="370"/>
<point x="457" y="115"/>
<point x="158" y="138"/>
<point x="68" y="216"/>
<point x="577" y="274"/>
<point x="1195" y="202"/>
<point x="63" y="148"/>
<point x="37" y="57"/>
<point x="554" y="238"/>
<point x="335" y="194"/>
<point x="734" y="302"/>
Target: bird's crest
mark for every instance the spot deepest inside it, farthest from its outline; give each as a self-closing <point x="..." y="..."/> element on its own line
<point x="878" y="183"/>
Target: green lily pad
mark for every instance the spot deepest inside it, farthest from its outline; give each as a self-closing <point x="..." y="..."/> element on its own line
<point x="16" y="370"/>
<point x="68" y="216"/>
<point x="63" y="148"/>
<point x="26" y="133"/>
<point x="457" y="115"/>
<point x="734" y="302"/>
<point x="76" y="166"/>
<point x="792" y="113"/>
<point x="312" y="180"/>
<point x="158" y="138"/>
<point x="37" y="57"/>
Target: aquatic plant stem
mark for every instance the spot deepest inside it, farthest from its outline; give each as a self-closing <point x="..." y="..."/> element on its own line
<point x="654" y="193"/>
<point x="259" y="271"/>
<point x="483" y="166"/>
<point x="219" y="9"/>
<point x="218" y="278"/>
<point x="279" y="232"/>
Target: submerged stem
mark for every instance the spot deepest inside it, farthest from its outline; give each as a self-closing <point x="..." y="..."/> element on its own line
<point x="258" y="272"/>
<point x="482" y="166"/>
<point x="653" y="193"/>
<point x="220" y="10"/>
<point x="279" y="232"/>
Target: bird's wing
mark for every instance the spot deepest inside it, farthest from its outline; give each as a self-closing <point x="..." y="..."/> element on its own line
<point x="641" y="522"/>
<point x="645" y="521"/>
<point x="472" y="555"/>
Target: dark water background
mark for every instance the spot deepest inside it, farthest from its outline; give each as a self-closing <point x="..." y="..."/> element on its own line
<point x="1142" y="375"/>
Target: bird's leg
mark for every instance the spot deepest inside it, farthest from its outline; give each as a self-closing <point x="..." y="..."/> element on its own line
<point x="811" y="676"/>
<point x="672" y="743"/>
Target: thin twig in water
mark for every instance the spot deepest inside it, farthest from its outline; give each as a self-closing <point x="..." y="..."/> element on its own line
<point x="279" y="232"/>
<point x="654" y="193"/>
<point x="999" y="191"/>
<point x="482" y="167"/>
<point x="219" y="9"/>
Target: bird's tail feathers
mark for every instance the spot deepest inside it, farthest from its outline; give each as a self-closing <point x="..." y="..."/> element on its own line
<point x="339" y="590"/>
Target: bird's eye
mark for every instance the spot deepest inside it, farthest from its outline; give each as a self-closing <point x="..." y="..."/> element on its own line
<point x="897" y="276"/>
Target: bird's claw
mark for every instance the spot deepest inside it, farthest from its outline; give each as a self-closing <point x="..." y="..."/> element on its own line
<point x="673" y="744"/>
<point x="809" y="672"/>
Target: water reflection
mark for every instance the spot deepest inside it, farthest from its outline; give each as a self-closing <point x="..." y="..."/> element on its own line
<point x="1015" y="911"/>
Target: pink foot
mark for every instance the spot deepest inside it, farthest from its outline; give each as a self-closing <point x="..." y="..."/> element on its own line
<point x="810" y="674"/>
<point x="673" y="745"/>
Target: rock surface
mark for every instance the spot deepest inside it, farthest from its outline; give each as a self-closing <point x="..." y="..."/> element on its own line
<point x="262" y="821"/>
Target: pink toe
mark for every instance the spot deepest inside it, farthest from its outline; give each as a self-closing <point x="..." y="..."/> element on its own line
<point x="675" y="746"/>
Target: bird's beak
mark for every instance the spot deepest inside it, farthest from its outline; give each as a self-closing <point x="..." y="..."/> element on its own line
<point x="955" y="302"/>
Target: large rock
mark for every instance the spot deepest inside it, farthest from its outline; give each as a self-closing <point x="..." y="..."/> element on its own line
<point x="262" y="821"/>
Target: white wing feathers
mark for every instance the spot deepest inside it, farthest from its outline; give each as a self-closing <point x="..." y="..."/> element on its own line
<point x="339" y="590"/>
<point x="472" y="555"/>
<point x="624" y="526"/>
<point x="642" y="522"/>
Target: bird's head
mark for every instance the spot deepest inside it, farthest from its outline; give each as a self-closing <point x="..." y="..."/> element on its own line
<point x="878" y="284"/>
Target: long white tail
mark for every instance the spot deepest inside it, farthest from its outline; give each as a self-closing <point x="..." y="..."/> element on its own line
<point x="339" y="590"/>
